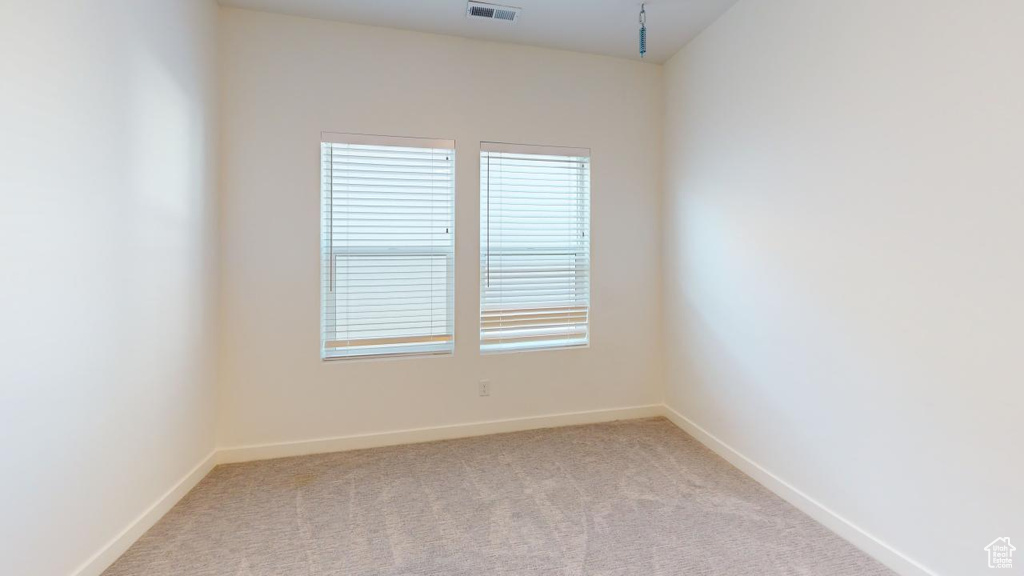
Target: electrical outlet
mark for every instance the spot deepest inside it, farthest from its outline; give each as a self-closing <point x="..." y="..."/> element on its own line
<point x="485" y="387"/>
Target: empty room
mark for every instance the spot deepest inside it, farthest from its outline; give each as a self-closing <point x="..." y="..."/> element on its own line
<point x="544" y="287"/>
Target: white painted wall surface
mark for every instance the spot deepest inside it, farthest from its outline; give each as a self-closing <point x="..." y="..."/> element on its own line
<point x="285" y="80"/>
<point x="843" y="268"/>
<point x="108" y="244"/>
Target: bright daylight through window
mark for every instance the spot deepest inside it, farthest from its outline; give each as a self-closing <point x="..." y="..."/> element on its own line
<point x="387" y="234"/>
<point x="534" y="247"/>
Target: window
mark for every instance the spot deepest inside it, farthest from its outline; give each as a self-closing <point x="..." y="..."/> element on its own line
<point x="387" y="245"/>
<point x="535" y="247"/>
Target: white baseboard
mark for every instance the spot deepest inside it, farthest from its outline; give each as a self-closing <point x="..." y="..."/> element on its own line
<point x="112" y="551"/>
<point x="416" y="435"/>
<point x="871" y="545"/>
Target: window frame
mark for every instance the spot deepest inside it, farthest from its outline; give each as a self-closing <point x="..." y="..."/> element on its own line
<point x="543" y="150"/>
<point x="445" y="347"/>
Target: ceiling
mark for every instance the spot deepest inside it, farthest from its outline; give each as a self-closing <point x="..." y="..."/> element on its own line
<point x="606" y="27"/>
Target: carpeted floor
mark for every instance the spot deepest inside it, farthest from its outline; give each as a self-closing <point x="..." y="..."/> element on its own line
<point x="634" y="497"/>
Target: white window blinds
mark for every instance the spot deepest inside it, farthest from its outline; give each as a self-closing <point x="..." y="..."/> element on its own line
<point x="387" y="245"/>
<point x="535" y="247"/>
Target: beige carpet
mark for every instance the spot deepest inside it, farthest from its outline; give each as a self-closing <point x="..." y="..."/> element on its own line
<point x="635" y="497"/>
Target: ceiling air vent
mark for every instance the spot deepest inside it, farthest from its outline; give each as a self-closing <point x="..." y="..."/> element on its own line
<point x="493" y="11"/>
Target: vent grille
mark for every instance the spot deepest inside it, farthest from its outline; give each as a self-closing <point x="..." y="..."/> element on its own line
<point x="504" y="15"/>
<point x="493" y="11"/>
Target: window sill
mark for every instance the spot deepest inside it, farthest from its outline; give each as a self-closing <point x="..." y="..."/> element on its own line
<point x="535" y="349"/>
<point x="385" y="357"/>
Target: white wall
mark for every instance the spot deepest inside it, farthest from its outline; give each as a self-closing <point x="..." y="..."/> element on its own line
<point x="108" y="244"/>
<point x="287" y="79"/>
<point x="843" y="270"/>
